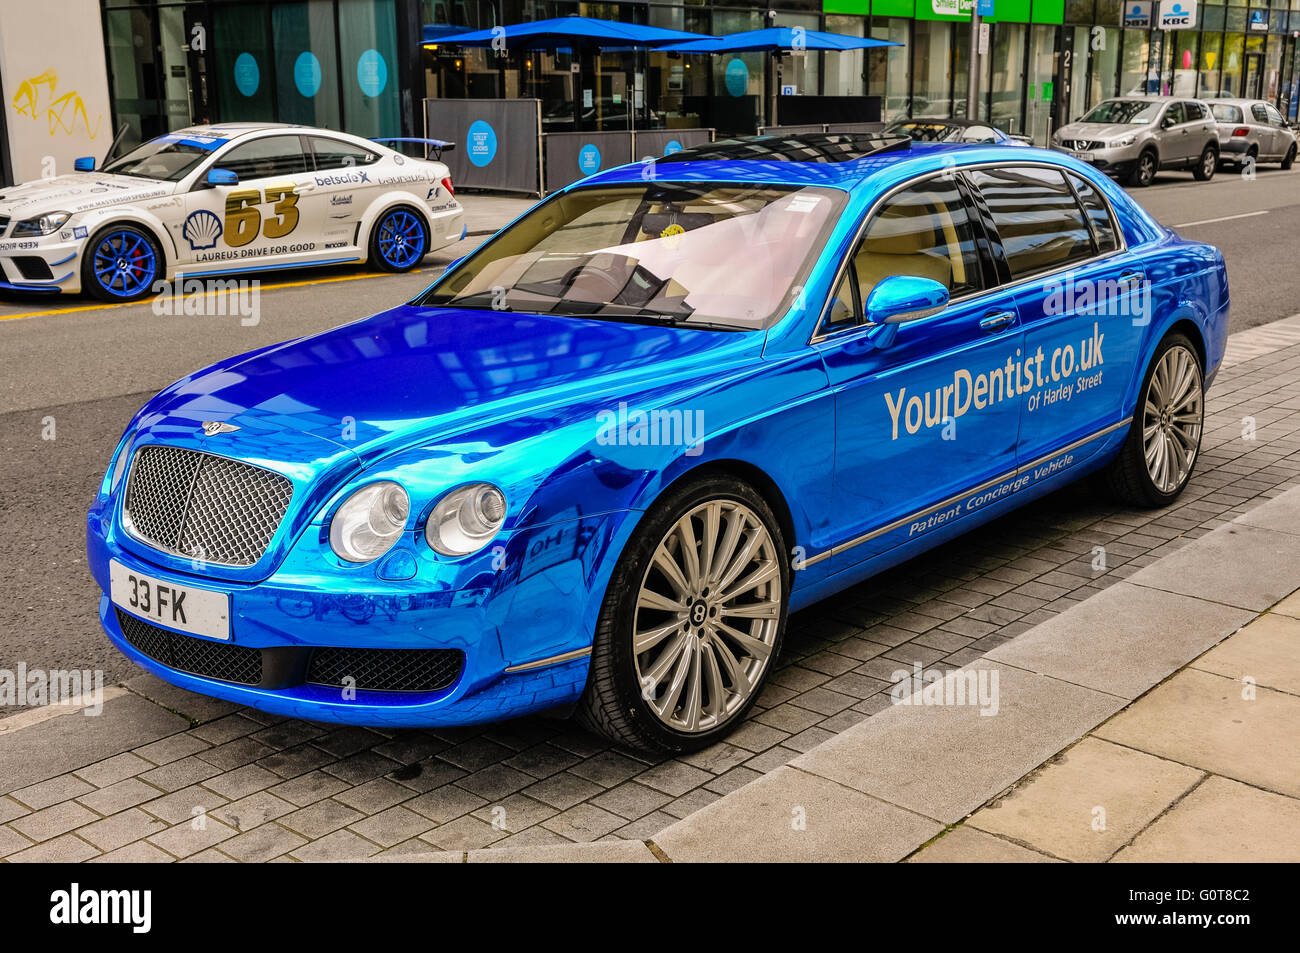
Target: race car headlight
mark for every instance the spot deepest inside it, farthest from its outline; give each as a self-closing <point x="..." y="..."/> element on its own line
<point x="369" y="522"/>
<point x="41" y="225"/>
<point x="466" y="519"/>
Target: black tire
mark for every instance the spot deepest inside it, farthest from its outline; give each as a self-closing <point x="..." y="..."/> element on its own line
<point x="1290" y="157"/>
<point x="1203" y="171"/>
<point x="1144" y="170"/>
<point x="1128" y="477"/>
<point x="94" y="285"/>
<point x="613" y="704"/>
<point x="395" y="263"/>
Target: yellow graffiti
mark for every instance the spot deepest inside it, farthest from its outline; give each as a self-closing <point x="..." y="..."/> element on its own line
<point x="61" y="113"/>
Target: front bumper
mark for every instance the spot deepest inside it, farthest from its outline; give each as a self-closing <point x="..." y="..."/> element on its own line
<point x="525" y="632"/>
<point x="1113" y="160"/>
<point x="50" y="264"/>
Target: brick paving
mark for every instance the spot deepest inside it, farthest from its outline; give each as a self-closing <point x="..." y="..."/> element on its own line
<point x="248" y="786"/>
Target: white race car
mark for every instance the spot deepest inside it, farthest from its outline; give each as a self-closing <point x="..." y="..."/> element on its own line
<point x="225" y="200"/>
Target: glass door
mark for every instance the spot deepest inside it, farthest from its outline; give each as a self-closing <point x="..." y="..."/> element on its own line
<point x="1041" y="76"/>
<point x="1254" y="75"/>
<point x="149" y="71"/>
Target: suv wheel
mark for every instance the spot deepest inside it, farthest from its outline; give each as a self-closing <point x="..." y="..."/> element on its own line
<point x="1290" y="157"/>
<point x="1206" y="165"/>
<point x="1144" y="172"/>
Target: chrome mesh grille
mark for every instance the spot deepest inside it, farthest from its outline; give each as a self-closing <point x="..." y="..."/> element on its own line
<point x="208" y="507"/>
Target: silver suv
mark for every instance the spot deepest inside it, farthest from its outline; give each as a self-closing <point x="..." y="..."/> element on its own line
<point x="1252" y="128"/>
<point x="1133" y="137"/>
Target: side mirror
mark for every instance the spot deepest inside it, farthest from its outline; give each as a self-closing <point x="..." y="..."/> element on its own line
<point x="84" y="164"/>
<point x="901" y="298"/>
<point x="222" y="177"/>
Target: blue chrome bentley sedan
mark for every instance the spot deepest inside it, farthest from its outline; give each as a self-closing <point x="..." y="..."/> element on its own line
<point x="600" y="460"/>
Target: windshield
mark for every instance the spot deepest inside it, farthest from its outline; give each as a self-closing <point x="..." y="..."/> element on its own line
<point x="922" y="131"/>
<point x="705" y="255"/>
<point x="169" y="158"/>
<point x="1124" y="112"/>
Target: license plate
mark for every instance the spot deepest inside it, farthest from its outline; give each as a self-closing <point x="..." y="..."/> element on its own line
<point x="1082" y="156"/>
<point x="184" y="608"/>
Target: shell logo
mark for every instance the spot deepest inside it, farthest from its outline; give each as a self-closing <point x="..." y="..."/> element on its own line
<point x="201" y="230"/>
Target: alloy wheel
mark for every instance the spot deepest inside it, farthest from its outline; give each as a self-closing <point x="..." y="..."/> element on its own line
<point x="1172" y="419"/>
<point x="707" y="616"/>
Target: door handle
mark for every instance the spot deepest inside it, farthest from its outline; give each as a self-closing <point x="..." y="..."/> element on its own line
<point x="996" y="320"/>
<point x="1130" y="278"/>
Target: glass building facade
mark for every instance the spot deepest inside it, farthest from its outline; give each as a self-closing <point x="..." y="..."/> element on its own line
<point x="363" y="66"/>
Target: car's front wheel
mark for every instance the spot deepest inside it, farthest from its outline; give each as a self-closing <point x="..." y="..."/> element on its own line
<point x="1144" y="170"/>
<point x="1164" y="440"/>
<point x="399" y="240"/>
<point x="692" y="620"/>
<point x="121" y="263"/>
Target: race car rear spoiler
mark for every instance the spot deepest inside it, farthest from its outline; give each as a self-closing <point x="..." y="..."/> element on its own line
<point x="436" y="147"/>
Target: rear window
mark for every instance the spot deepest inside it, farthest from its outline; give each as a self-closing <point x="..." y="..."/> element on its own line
<point x="1038" y="220"/>
<point x="1225" y="113"/>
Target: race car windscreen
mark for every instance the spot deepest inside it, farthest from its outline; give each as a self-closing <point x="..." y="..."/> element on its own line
<point x="727" y="257"/>
<point x="167" y="158"/>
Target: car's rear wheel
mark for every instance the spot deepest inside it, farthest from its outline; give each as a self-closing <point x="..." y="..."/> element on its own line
<point x="692" y="620"/>
<point x="1144" y="170"/>
<point x="121" y="263"/>
<point x="1205" y="166"/>
<point x="399" y="240"/>
<point x="1164" y="440"/>
<point x="1289" y="160"/>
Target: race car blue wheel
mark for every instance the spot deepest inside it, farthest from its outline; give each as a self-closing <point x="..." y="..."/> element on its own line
<point x="399" y="240"/>
<point x="121" y="264"/>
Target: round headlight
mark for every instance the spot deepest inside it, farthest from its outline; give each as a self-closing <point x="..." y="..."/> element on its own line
<point x="466" y="519"/>
<point x="119" y="467"/>
<point x="369" y="522"/>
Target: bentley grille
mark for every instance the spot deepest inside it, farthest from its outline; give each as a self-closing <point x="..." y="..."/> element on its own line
<point x="203" y="506"/>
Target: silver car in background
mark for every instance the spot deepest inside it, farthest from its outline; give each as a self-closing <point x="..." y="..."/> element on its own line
<point x="1134" y="137"/>
<point x="1252" y="128"/>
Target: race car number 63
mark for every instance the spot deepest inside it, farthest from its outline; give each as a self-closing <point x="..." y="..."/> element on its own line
<point x="243" y="219"/>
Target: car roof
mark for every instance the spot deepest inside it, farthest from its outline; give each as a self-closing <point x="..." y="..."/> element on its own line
<point x="1226" y="101"/>
<point x="837" y="160"/>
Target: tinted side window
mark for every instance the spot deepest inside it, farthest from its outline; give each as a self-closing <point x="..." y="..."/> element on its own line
<point x="274" y="155"/>
<point x="1039" y="222"/>
<point x="1103" y="226"/>
<point x="1191" y="112"/>
<point x="923" y="231"/>
<point x="335" y="154"/>
<point x="1173" y="116"/>
<point x="1257" y="111"/>
<point x="1274" y="116"/>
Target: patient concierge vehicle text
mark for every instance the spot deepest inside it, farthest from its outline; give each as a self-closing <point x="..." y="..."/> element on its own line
<point x="225" y="200"/>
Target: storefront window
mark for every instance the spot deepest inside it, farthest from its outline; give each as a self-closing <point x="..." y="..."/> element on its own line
<point x="932" y="69"/>
<point x="1008" y="56"/>
<point x="1230" y="77"/>
<point x="1211" y="59"/>
<point x="844" y="71"/>
<point x="1105" y="67"/>
<point x="738" y="78"/>
<point x="1136" y="78"/>
<point x="306" y="64"/>
<point x="245" y="72"/>
<point x="1182" y="59"/>
<point x="368" y="66"/>
<point x="888" y="69"/>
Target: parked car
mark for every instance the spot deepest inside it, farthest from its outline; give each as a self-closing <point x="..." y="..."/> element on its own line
<point x="950" y="129"/>
<point x="1134" y="137"/>
<point x="1252" y="129"/>
<point x="215" y="201"/>
<point x="601" y="460"/>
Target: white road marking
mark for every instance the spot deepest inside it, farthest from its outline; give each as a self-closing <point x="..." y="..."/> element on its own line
<point x="1226" y="218"/>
